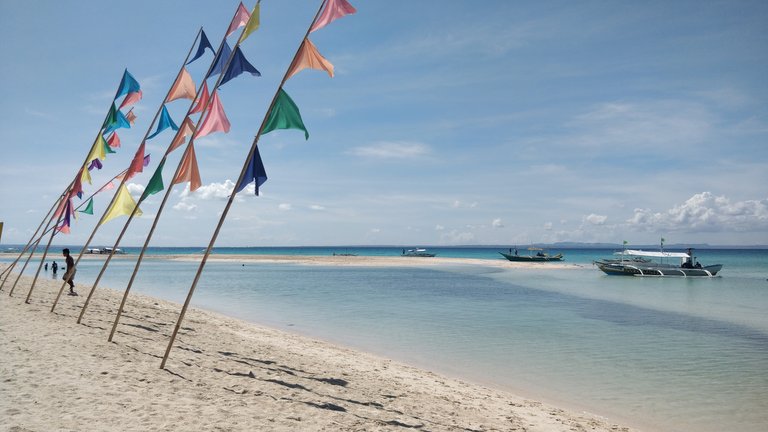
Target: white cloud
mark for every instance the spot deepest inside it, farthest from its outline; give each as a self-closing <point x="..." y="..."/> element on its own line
<point x="548" y="226"/>
<point x="596" y="219"/>
<point x="284" y="206"/>
<point x="705" y="212"/>
<point x="184" y="206"/>
<point x="135" y="189"/>
<point x="316" y="207"/>
<point x="497" y="223"/>
<point x="213" y="191"/>
<point x="392" y="150"/>
<point x="439" y="228"/>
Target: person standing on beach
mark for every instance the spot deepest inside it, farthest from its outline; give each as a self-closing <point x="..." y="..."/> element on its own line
<point x="69" y="275"/>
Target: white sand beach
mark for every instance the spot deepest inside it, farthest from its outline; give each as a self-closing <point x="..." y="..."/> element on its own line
<point x="226" y="374"/>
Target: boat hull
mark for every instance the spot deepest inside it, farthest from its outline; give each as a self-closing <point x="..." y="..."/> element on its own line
<point x="638" y="269"/>
<point x="532" y="258"/>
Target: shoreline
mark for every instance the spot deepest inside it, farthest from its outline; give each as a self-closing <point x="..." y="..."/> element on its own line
<point x="230" y="373"/>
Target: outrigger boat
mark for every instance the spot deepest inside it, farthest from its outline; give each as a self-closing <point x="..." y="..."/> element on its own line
<point x="637" y="263"/>
<point x="539" y="256"/>
<point x="417" y="253"/>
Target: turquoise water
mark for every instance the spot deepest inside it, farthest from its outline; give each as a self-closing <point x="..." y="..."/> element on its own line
<point x="665" y="353"/>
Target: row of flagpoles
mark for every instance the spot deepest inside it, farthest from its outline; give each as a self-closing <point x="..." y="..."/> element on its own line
<point x="227" y="64"/>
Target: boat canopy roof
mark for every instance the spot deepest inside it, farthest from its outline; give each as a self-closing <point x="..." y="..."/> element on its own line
<point x="634" y="252"/>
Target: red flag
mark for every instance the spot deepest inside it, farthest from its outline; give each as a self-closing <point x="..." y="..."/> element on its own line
<point x="113" y="140"/>
<point x="137" y="165"/>
<point x="131" y="99"/>
<point x="187" y="129"/>
<point x="216" y="121"/>
<point x="189" y="171"/>
<point x="130" y="116"/>
<point x="202" y="101"/>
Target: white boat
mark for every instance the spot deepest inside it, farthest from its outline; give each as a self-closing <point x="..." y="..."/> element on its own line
<point x="417" y="253"/>
<point x="650" y="263"/>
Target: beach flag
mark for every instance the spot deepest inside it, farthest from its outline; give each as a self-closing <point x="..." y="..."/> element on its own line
<point x="98" y="151"/>
<point x="113" y="140"/>
<point x="164" y="123"/>
<point x="309" y="58"/>
<point x="216" y="121"/>
<point x="77" y="187"/>
<point x="187" y="129"/>
<point x="127" y="85"/>
<point x="188" y="170"/>
<point x="202" y="101"/>
<point x="115" y="120"/>
<point x="137" y="164"/>
<point x="284" y="115"/>
<point x="67" y="221"/>
<point x="88" y="208"/>
<point x="204" y="43"/>
<point x="253" y="23"/>
<point x="108" y="149"/>
<point x="333" y="10"/>
<point x="155" y="184"/>
<point x="86" y="176"/>
<point x="130" y="116"/>
<point x="241" y="18"/>
<point x="147" y="160"/>
<point x="131" y="99"/>
<point x="183" y="87"/>
<point x="96" y="163"/>
<point x="107" y="187"/>
<point x="122" y="205"/>
<point x="237" y="66"/>
<point x="221" y="59"/>
<point x="254" y="172"/>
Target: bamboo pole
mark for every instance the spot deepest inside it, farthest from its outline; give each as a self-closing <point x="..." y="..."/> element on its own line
<point x="231" y="199"/>
<point x="170" y="186"/>
<point x="136" y="208"/>
<point x="69" y="189"/>
<point x="117" y="190"/>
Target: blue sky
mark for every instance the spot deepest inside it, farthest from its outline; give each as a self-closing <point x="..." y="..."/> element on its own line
<point x="447" y="123"/>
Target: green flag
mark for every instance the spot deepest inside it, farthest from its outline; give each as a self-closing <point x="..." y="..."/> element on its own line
<point x="155" y="184"/>
<point x="88" y="208"/>
<point x="284" y="115"/>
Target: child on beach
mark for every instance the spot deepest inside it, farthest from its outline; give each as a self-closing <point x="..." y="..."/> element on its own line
<point x="69" y="275"/>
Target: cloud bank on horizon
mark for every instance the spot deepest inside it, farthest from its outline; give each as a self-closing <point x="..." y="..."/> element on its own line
<point x="545" y="122"/>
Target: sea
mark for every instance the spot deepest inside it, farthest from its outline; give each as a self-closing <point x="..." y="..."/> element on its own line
<point x="660" y="354"/>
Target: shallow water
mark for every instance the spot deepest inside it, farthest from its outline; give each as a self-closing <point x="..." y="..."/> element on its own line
<point x="666" y="353"/>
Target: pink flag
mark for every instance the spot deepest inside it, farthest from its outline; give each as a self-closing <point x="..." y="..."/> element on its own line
<point x="188" y="170"/>
<point x="107" y="186"/>
<point x="137" y="164"/>
<point x="64" y="228"/>
<point x="130" y="116"/>
<point x="216" y="121"/>
<point x="131" y="99"/>
<point x="308" y="57"/>
<point x="184" y="87"/>
<point x="241" y="17"/>
<point x="202" y="101"/>
<point x="334" y="9"/>
<point x="187" y="129"/>
<point x="113" y="140"/>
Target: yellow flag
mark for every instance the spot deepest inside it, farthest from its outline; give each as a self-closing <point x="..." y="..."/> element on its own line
<point x="98" y="150"/>
<point x="123" y="205"/>
<point x="85" y="176"/>
<point x="252" y="24"/>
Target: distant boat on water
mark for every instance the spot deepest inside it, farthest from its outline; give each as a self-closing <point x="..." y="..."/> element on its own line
<point x="534" y="255"/>
<point x="417" y="253"/>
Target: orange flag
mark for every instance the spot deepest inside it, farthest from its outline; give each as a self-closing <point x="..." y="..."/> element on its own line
<point x="113" y="140"/>
<point x="189" y="171"/>
<point x="216" y="121"/>
<point x="137" y="165"/>
<point x="310" y="58"/>
<point x="183" y="87"/>
<point x="130" y="116"/>
<point x="187" y="129"/>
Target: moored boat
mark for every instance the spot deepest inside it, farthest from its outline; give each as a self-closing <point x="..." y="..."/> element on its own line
<point x="538" y="256"/>
<point x="649" y="263"/>
<point x="417" y="253"/>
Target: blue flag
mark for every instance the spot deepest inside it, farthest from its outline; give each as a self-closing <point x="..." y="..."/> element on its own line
<point x="255" y="172"/>
<point x="115" y="120"/>
<point x="204" y="43"/>
<point x="127" y="85"/>
<point x="238" y="65"/>
<point x="164" y="123"/>
<point x="221" y="59"/>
